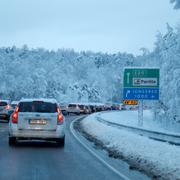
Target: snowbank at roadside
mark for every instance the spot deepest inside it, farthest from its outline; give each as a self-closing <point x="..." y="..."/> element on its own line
<point x="130" y="118"/>
<point x="154" y="157"/>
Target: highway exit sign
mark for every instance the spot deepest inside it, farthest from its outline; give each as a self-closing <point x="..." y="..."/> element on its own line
<point x="141" y="77"/>
<point x="141" y="83"/>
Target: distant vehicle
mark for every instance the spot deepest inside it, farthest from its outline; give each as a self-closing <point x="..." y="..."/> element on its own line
<point x="100" y="108"/>
<point x="73" y="108"/>
<point x="107" y="107"/>
<point x="5" y="109"/>
<point x="82" y="109"/>
<point x="64" y="108"/>
<point x="122" y="107"/>
<point x="87" y="109"/>
<point x="37" y="119"/>
<point x="14" y="104"/>
<point x="116" y="107"/>
<point x="93" y="108"/>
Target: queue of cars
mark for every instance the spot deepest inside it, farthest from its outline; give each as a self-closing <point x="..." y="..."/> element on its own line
<point x="43" y="119"/>
<point x="7" y="108"/>
<point x="87" y="108"/>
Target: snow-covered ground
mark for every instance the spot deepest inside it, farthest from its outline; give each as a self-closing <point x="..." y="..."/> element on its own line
<point x="130" y="118"/>
<point x="156" y="157"/>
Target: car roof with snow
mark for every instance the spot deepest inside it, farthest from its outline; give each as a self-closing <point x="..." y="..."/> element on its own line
<point x="88" y="103"/>
<point x="39" y="99"/>
<point x="3" y="100"/>
<point x="14" y="102"/>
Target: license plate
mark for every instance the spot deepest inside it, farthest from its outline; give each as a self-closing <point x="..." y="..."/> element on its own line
<point x="37" y="122"/>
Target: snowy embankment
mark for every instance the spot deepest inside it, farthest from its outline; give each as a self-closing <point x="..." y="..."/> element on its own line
<point x="157" y="159"/>
<point x="130" y="118"/>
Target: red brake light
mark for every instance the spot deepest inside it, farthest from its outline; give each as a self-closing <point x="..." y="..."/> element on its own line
<point x="60" y="116"/>
<point x="15" y="115"/>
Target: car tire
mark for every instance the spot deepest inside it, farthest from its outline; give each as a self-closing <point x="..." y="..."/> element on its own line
<point x="12" y="141"/>
<point x="61" y="142"/>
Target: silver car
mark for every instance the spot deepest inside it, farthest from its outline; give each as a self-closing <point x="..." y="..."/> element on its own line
<point x="5" y="109"/>
<point x="37" y="119"/>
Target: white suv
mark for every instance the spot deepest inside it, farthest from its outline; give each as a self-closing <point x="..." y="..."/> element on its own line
<point x="73" y="108"/>
<point x="37" y="119"/>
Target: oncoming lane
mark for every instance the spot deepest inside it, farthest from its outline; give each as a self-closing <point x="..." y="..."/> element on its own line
<point x="39" y="160"/>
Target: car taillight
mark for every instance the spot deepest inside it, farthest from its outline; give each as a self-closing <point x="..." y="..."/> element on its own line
<point x="15" y="115"/>
<point x="8" y="107"/>
<point x="60" y="117"/>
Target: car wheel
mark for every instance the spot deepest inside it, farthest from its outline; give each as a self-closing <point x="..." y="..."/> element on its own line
<point x="12" y="141"/>
<point x="60" y="142"/>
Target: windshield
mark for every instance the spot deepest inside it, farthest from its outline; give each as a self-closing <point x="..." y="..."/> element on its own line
<point x="81" y="106"/>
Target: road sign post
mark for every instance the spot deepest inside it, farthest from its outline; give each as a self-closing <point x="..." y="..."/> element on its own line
<point x="141" y="84"/>
<point x="140" y="113"/>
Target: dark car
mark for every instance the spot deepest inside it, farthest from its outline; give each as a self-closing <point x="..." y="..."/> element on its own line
<point x="5" y="110"/>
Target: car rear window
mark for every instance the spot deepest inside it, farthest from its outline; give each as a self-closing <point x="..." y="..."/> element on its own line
<point x="63" y="107"/>
<point x="81" y="106"/>
<point x="37" y="106"/>
<point x="72" y="105"/>
<point x="3" y="103"/>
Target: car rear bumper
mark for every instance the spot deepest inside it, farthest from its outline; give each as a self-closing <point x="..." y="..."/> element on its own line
<point x="36" y="134"/>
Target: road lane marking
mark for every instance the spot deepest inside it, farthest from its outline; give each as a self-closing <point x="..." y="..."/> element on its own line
<point x="94" y="154"/>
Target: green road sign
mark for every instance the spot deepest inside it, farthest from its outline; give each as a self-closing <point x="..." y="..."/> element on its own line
<point x="141" y="78"/>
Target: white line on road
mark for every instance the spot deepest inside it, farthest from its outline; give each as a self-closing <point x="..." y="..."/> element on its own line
<point x="94" y="154"/>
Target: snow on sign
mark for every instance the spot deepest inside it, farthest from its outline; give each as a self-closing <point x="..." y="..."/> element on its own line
<point x="141" y="83"/>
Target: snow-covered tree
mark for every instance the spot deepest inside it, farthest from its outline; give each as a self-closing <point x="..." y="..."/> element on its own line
<point x="176" y="3"/>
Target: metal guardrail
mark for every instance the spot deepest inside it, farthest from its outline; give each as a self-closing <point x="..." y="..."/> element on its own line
<point x="160" y="136"/>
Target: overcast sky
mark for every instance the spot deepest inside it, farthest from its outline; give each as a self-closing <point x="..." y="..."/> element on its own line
<point x="96" y="25"/>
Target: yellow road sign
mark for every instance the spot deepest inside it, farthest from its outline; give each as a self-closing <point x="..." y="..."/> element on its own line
<point x="130" y="102"/>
